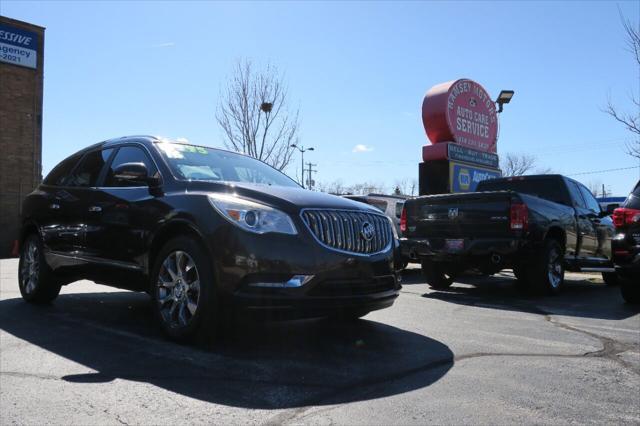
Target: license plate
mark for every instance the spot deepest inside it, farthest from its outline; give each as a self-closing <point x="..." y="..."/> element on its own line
<point x="454" y="245"/>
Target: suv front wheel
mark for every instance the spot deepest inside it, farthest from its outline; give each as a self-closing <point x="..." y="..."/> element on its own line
<point x="183" y="291"/>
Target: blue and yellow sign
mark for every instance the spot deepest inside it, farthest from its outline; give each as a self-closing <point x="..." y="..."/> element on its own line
<point x="465" y="178"/>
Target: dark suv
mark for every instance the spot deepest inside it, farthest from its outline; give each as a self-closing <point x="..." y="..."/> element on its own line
<point x="203" y="230"/>
<point x="626" y="245"/>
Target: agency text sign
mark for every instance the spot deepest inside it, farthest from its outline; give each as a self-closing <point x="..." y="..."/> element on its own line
<point x="18" y="46"/>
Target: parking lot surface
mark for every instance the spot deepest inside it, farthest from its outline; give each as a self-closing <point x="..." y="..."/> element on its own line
<point x="477" y="353"/>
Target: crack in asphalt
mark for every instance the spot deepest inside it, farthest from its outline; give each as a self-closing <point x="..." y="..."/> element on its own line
<point x="610" y="350"/>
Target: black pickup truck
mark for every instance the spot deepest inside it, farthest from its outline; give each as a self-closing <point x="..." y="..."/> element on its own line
<point x="536" y="225"/>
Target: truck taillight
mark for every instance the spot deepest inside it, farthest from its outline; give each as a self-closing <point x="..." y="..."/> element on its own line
<point x="403" y="220"/>
<point x="519" y="220"/>
<point x="624" y="216"/>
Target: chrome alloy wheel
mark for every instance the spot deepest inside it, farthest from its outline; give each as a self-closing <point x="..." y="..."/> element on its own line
<point x="554" y="269"/>
<point x="178" y="289"/>
<point x="30" y="268"/>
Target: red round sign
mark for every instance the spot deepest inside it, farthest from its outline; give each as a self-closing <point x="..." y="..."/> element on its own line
<point x="461" y="111"/>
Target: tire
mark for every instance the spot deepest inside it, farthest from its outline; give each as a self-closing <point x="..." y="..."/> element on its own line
<point x="610" y="278"/>
<point x="35" y="279"/>
<point x="184" y="293"/>
<point x="435" y="275"/>
<point x="630" y="291"/>
<point x="546" y="273"/>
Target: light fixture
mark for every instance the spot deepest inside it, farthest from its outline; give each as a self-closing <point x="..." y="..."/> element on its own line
<point x="504" y="98"/>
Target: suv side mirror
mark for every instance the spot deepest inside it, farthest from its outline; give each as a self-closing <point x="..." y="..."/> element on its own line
<point x="132" y="172"/>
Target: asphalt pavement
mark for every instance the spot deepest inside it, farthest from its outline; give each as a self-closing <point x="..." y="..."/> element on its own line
<point x="479" y="353"/>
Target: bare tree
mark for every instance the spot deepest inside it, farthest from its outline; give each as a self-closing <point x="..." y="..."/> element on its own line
<point x="254" y="116"/>
<point x="362" y="188"/>
<point x="517" y="164"/>
<point x="594" y="187"/>
<point x="335" y="187"/>
<point x="629" y="120"/>
<point x="400" y="186"/>
<point x="414" y="186"/>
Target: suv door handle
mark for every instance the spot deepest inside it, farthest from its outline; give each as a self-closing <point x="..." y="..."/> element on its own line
<point x="95" y="209"/>
<point x="54" y="206"/>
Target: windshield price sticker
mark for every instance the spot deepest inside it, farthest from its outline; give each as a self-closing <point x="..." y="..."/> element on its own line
<point x="18" y="46"/>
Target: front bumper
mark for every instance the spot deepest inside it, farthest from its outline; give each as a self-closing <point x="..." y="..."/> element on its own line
<point x="340" y="281"/>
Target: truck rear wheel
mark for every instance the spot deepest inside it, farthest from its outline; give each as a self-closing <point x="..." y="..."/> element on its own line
<point x="436" y="275"/>
<point x="546" y="273"/>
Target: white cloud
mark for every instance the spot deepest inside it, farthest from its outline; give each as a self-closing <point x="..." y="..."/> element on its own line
<point x="169" y="44"/>
<point x="362" y="148"/>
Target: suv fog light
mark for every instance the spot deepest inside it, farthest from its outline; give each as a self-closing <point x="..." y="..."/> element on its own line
<point x="294" y="282"/>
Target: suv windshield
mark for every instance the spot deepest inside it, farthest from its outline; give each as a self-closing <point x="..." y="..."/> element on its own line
<point x="190" y="162"/>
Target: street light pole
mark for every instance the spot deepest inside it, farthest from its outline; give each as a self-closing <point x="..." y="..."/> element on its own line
<point x="302" y="150"/>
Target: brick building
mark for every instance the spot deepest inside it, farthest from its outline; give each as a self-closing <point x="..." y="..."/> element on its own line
<point x="21" y="72"/>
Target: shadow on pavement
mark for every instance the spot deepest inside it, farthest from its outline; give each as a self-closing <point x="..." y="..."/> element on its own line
<point x="271" y="365"/>
<point x="579" y="297"/>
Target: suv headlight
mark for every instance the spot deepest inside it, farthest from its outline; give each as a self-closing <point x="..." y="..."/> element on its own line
<point x="251" y="216"/>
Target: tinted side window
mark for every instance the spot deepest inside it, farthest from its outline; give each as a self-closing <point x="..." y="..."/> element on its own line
<point x="128" y="154"/>
<point x="88" y="171"/>
<point x="592" y="203"/>
<point x="60" y="173"/>
<point x="547" y="188"/>
<point x="576" y="195"/>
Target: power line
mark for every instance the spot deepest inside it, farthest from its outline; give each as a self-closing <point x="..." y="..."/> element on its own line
<point x="603" y="171"/>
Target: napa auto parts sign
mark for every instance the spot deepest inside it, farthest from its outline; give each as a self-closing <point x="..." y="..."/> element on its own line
<point x="465" y="178"/>
<point x="462" y="112"/>
<point x="18" y="46"/>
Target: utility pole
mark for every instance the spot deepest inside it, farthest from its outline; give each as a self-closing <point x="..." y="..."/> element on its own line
<point x="310" y="172"/>
<point x="302" y="150"/>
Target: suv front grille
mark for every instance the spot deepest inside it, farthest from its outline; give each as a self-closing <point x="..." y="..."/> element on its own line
<point x="343" y="230"/>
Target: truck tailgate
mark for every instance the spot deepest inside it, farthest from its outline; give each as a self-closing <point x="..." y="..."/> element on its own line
<point x="473" y="215"/>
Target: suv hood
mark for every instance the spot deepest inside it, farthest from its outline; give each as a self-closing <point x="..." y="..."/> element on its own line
<point x="289" y="199"/>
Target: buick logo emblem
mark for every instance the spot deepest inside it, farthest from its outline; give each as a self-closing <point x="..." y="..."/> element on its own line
<point x="367" y="231"/>
<point x="453" y="213"/>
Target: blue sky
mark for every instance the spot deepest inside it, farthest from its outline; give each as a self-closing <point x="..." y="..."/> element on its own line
<point x="358" y="72"/>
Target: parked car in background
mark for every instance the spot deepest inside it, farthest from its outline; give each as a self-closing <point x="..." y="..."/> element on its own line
<point x="626" y="245"/>
<point x="203" y="231"/>
<point x="390" y="205"/>
<point x="537" y="225"/>
<point x="608" y="204"/>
